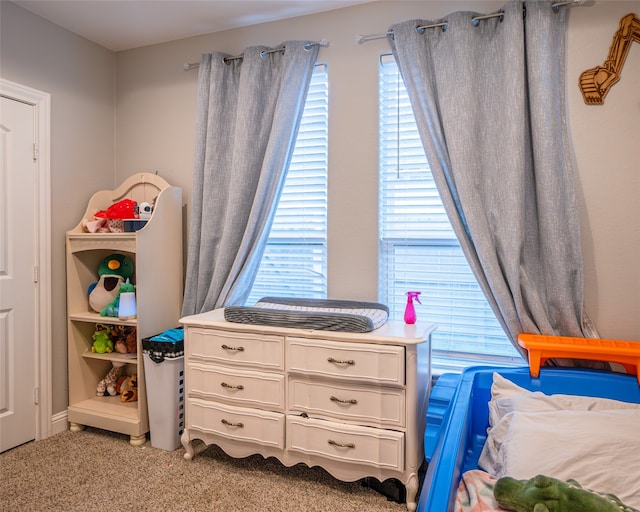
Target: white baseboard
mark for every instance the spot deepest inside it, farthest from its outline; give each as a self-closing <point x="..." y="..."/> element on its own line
<point x="59" y="423"/>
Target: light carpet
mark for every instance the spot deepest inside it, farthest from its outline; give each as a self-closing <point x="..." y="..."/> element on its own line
<point x="96" y="470"/>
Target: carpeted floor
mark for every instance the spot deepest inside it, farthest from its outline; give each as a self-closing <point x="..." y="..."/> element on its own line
<point x="100" y="471"/>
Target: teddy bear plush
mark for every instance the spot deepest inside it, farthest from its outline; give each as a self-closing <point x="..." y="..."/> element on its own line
<point x="546" y="494"/>
<point x="124" y="338"/>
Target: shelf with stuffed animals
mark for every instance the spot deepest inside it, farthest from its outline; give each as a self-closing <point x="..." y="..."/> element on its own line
<point x="124" y="283"/>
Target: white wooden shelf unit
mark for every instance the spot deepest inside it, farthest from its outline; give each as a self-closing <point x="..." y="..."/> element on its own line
<point x="156" y="252"/>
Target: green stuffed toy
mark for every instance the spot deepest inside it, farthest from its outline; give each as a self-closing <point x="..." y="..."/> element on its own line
<point x="112" y="271"/>
<point x="111" y="309"/>
<point x="546" y="494"/>
<point x="101" y="340"/>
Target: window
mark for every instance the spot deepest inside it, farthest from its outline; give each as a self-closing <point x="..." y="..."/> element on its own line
<point x="294" y="263"/>
<point x="418" y="249"/>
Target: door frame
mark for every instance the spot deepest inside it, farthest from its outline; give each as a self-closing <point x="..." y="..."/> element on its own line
<point x="41" y="101"/>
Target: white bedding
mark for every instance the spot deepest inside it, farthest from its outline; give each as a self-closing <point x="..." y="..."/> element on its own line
<point x="594" y="441"/>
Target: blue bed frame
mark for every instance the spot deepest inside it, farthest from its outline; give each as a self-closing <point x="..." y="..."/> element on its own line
<point x="454" y="446"/>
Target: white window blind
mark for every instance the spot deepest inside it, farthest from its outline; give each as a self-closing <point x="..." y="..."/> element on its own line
<point x="294" y="263"/>
<point x="418" y="248"/>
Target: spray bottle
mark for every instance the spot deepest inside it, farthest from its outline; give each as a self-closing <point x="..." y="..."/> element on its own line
<point x="410" y="310"/>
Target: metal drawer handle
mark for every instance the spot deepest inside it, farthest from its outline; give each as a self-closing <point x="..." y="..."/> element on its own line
<point x="236" y="349"/>
<point x="231" y="424"/>
<point x="341" y="445"/>
<point x="341" y="361"/>
<point x="353" y="401"/>
<point x="231" y="386"/>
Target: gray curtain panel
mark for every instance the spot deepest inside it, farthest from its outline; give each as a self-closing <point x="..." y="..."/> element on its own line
<point x="489" y="100"/>
<point x="248" y="114"/>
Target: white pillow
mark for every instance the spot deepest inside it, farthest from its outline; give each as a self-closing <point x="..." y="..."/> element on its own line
<point x="508" y="398"/>
<point x="504" y="388"/>
<point x="598" y="449"/>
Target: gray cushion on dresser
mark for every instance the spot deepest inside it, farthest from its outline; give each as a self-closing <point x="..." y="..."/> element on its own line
<point x="320" y="314"/>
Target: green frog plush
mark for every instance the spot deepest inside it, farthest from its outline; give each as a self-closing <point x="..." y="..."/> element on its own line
<point x="101" y="341"/>
<point x="546" y="494"/>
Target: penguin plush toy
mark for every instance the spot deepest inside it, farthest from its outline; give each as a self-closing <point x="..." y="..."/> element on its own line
<point x="113" y="270"/>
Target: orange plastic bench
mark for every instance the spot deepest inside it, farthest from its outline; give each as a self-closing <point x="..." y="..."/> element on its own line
<point x="541" y="348"/>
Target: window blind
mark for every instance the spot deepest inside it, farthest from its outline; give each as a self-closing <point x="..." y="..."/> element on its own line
<point x="294" y="263"/>
<point x="418" y="250"/>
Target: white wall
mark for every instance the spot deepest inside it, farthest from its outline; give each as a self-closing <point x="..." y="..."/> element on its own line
<point x="154" y="130"/>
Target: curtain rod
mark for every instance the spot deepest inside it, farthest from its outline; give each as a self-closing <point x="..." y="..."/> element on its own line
<point x="192" y="65"/>
<point x="475" y="20"/>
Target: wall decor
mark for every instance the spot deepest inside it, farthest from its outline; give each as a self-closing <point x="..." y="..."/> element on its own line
<point x="596" y="82"/>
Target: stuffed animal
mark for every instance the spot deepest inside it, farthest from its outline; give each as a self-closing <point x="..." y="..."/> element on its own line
<point x="101" y="340"/>
<point x="546" y="494"/>
<point x="145" y="210"/>
<point x="111" y="309"/>
<point x="112" y="271"/>
<point x="107" y="386"/>
<point x="95" y="226"/>
<point x="127" y="386"/>
<point x="124" y="339"/>
<point x="124" y="209"/>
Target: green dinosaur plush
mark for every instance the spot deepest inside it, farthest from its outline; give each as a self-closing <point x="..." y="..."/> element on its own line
<point x="546" y="494"/>
<point x="111" y="309"/>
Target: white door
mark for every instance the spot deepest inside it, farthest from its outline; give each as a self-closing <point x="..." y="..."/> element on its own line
<point x="18" y="289"/>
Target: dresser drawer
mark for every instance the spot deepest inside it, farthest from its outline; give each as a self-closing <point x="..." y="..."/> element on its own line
<point x="364" y="362"/>
<point x="346" y="443"/>
<point x="237" y="423"/>
<point x="376" y="406"/>
<point x="243" y="388"/>
<point x="236" y="348"/>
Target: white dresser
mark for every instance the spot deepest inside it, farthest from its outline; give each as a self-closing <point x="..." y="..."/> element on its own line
<point x="353" y="404"/>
